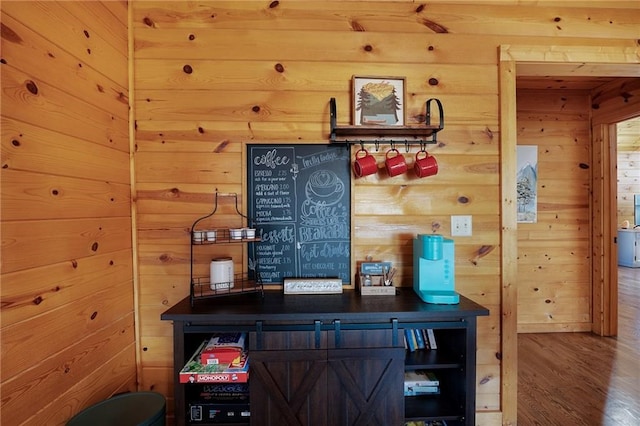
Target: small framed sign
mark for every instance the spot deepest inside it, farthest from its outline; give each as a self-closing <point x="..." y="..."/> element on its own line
<point x="312" y="286"/>
<point x="378" y="101"/>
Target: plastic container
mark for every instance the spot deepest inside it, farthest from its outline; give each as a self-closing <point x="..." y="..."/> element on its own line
<point x="126" y="409"/>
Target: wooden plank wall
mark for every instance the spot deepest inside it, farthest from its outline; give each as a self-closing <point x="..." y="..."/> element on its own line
<point x="628" y="134"/>
<point x="212" y="76"/>
<point x="554" y="254"/>
<point x="68" y="336"/>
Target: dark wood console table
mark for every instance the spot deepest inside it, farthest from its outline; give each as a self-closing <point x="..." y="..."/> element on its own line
<point x="337" y="359"/>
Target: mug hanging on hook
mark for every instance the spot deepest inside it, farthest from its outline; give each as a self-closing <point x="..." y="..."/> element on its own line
<point x="426" y="165"/>
<point x="395" y="162"/>
<point x="364" y="163"/>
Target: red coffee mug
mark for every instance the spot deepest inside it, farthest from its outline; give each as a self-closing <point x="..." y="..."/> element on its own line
<point x="425" y="166"/>
<point x="364" y="164"/>
<point x="395" y="163"/>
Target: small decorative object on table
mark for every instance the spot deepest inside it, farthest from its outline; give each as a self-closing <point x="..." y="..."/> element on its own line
<point x="376" y="278"/>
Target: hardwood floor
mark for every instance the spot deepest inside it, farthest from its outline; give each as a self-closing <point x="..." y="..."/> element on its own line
<point x="575" y="379"/>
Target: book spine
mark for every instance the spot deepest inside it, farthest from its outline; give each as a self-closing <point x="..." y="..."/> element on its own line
<point x="409" y="337"/>
<point x="432" y="338"/>
<point x="419" y="339"/>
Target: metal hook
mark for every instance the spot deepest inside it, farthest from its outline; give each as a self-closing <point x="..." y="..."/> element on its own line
<point x="406" y="145"/>
<point x="377" y="143"/>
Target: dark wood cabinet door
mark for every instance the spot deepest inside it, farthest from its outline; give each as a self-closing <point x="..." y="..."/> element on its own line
<point x="296" y="381"/>
<point x="289" y="388"/>
<point x="366" y="387"/>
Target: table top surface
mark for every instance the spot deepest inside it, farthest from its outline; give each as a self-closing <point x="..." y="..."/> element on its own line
<point x="348" y="306"/>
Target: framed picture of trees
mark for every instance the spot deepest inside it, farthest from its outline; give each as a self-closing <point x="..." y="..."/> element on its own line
<point x="527" y="183"/>
<point x="378" y="101"/>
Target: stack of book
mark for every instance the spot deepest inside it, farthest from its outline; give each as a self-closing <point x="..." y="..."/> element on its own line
<point x="419" y="338"/>
<point x="421" y="382"/>
<point x="224" y="348"/>
<point x="221" y="359"/>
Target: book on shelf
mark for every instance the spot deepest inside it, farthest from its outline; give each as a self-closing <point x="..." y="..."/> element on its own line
<point x="410" y="339"/>
<point x="421" y="377"/>
<point x="420" y="382"/>
<point x="223" y="348"/>
<point x="421" y="390"/>
<point x="196" y="372"/>
<point x="426" y="423"/>
<point x="432" y="338"/>
<point x="419" y="339"/>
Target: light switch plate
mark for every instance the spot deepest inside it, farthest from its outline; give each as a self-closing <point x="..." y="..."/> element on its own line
<point x="461" y="226"/>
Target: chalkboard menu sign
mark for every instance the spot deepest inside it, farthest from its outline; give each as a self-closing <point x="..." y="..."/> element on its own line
<point x="299" y="197"/>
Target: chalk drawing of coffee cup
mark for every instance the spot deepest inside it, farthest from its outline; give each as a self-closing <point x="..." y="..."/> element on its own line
<point x="325" y="187"/>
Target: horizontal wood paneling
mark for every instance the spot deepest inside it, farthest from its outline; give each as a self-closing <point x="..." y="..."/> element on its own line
<point x="99" y="43"/>
<point x="56" y="109"/>
<point x="35" y="196"/>
<point x="27" y="147"/>
<point x="115" y="375"/>
<point x="213" y="76"/>
<point x="554" y="254"/>
<point x="47" y="61"/>
<point x="33" y="291"/>
<point x="65" y="369"/>
<point x="61" y="327"/>
<point x="393" y="17"/>
<point x="37" y="243"/>
<point x="67" y="301"/>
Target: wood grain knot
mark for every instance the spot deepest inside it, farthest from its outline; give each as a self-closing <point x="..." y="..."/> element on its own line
<point x="463" y="200"/>
<point x="435" y="27"/>
<point x="488" y="132"/>
<point x="15" y="142"/>
<point x="86" y="33"/>
<point x="356" y="26"/>
<point x="192" y="37"/>
<point x="279" y="67"/>
<point x="37" y="300"/>
<point x="187" y="69"/>
<point x="148" y="22"/>
<point x="256" y="108"/>
<point x="431" y="48"/>
<point x="32" y="87"/>
<point x="94" y="315"/>
<point x="420" y="8"/>
<point x="274" y="4"/>
<point x="200" y="130"/>
<point x="9" y="35"/>
<point x="368" y="48"/>
<point x="584" y="166"/>
<point x="433" y="81"/>
<point x="94" y="246"/>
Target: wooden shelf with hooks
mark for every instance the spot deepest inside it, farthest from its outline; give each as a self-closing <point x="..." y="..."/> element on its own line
<point x="408" y="135"/>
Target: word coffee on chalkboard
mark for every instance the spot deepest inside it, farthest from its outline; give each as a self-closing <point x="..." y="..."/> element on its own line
<point x="299" y="198"/>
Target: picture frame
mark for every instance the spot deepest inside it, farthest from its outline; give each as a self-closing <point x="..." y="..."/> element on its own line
<point x="378" y="101"/>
